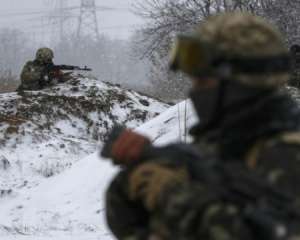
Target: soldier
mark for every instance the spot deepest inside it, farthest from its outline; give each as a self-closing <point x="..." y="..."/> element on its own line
<point x="238" y="64"/>
<point x="36" y="75"/>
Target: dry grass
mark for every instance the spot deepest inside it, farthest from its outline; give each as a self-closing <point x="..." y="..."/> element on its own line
<point x="8" y="82"/>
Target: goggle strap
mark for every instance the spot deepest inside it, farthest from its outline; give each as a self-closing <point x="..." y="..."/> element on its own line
<point x="276" y="64"/>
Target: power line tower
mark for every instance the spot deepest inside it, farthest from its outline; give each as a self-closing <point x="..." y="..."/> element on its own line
<point x="60" y="15"/>
<point x="57" y="18"/>
<point x="88" y="24"/>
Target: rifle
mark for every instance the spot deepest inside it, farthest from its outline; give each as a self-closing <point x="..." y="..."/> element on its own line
<point x="52" y="67"/>
<point x="269" y="212"/>
<point x="52" y="71"/>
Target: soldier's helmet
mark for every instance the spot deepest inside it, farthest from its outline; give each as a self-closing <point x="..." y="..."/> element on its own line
<point x="236" y="46"/>
<point x="44" y="55"/>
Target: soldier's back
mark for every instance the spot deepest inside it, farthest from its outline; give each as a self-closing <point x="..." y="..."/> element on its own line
<point x="31" y="76"/>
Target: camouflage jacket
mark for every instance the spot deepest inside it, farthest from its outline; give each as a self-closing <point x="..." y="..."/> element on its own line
<point x="33" y="76"/>
<point x="36" y="76"/>
<point x="264" y="138"/>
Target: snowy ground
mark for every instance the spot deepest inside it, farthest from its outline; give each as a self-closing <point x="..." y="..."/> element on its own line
<point x="42" y="133"/>
<point x="49" y="188"/>
<point x="69" y="205"/>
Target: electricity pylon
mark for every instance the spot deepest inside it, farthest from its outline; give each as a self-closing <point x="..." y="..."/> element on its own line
<point x="88" y="24"/>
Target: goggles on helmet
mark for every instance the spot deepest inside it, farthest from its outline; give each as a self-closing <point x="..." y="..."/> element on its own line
<point x="198" y="58"/>
<point x="190" y="55"/>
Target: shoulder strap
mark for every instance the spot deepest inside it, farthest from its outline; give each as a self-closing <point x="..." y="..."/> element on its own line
<point x="252" y="155"/>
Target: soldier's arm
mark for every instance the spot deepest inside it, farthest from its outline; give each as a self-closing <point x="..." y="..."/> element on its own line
<point x="194" y="210"/>
<point x="197" y="211"/>
<point x="174" y="206"/>
<point x="125" y="218"/>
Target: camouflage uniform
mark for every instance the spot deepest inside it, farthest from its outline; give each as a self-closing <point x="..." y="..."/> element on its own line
<point x="159" y="199"/>
<point x="34" y="75"/>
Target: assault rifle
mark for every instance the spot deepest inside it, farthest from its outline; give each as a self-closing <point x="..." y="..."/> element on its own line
<point x="52" y="67"/>
<point x="268" y="211"/>
<point x="52" y="72"/>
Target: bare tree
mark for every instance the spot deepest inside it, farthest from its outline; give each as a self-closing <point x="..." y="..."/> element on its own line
<point x="286" y="15"/>
<point x="166" y="18"/>
<point x="14" y="50"/>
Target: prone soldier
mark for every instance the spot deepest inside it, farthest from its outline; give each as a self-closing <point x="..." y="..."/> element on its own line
<point x="41" y="72"/>
<point x="238" y="64"/>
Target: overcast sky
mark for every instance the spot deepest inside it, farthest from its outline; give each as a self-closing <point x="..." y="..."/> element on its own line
<point x="30" y="16"/>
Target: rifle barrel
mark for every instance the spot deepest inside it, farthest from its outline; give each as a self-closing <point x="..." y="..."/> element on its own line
<point x="69" y="67"/>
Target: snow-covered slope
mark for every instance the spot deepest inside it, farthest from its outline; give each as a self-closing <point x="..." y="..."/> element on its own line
<point x="43" y="133"/>
<point x="70" y="205"/>
<point x="66" y="206"/>
<point x="172" y="125"/>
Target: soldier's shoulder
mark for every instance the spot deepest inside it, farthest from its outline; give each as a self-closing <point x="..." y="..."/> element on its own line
<point x="29" y="63"/>
<point x="282" y="150"/>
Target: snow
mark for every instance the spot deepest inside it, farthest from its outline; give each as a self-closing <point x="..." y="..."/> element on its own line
<point x="69" y="204"/>
<point x="172" y="125"/>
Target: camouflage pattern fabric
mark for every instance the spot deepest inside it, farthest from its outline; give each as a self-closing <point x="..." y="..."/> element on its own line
<point x="44" y="55"/>
<point x="33" y="76"/>
<point x="242" y="34"/>
<point x="36" y="76"/>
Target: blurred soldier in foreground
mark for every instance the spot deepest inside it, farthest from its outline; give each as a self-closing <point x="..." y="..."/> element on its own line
<point x="240" y="178"/>
<point x="41" y="72"/>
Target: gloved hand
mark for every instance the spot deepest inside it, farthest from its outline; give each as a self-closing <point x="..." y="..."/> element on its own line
<point x="128" y="147"/>
<point x="57" y="74"/>
<point x="149" y="180"/>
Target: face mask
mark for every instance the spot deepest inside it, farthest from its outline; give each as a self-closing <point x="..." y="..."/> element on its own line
<point x="237" y="97"/>
<point x="205" y="102"/>
<point x="228" y="98"/>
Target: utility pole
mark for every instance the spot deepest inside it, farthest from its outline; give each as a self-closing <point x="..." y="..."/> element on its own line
<point x="88" y="24"/>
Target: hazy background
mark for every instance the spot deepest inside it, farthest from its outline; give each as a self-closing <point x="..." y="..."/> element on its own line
<point x="129" y="50"/>
<point x="26" y="25"/>
<point x="34" y="17"/>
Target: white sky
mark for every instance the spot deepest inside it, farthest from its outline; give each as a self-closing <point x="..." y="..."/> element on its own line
<point x="27" y="15"/>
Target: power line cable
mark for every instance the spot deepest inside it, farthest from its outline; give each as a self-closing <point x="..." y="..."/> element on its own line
<point x="23" y="13"/>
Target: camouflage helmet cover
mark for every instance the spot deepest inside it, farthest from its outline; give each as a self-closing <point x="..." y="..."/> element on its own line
<point x="44" y="55"/>
<point x="247" y="36"/>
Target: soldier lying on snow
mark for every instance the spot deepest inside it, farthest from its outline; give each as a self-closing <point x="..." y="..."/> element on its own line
<point x="240" y="179"/>
<point x="41" y="72"/>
